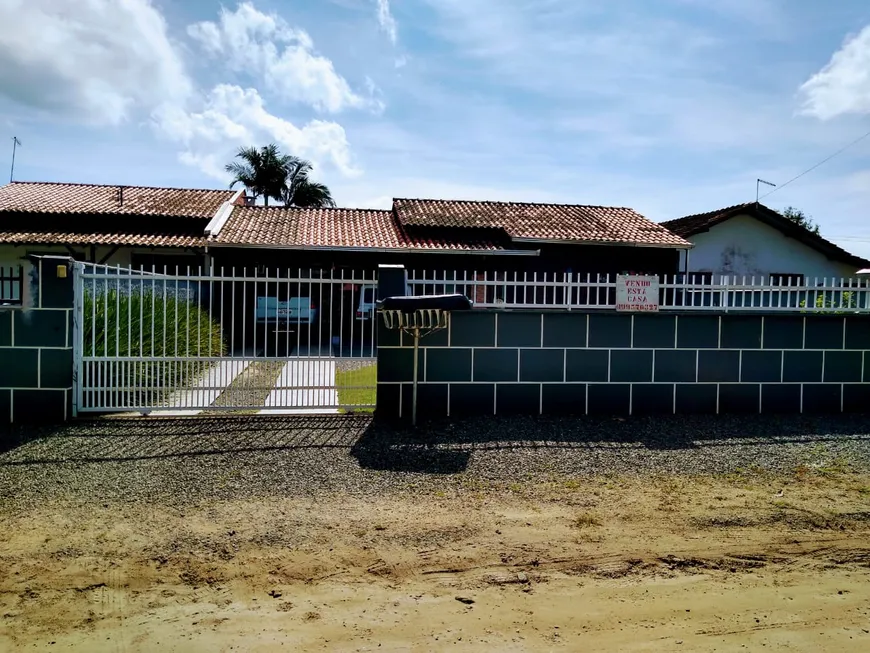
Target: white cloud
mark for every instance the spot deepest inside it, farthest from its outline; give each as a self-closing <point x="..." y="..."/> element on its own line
<point x="232" y="116"/>
<point x="249" y="41"/>
<point x="843" y="85"/>
<point x="387" y="21"/>
<point x="93" y="60"/>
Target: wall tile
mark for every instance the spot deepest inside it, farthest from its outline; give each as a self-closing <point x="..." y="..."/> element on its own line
<point x="652" y="399"/>
<point x="843" y="366"/>
<point x="19" y="368"/>
<point x="472" y="329"/>
<point x="46" y="406"/>
<point x="783" y="332"/>
<point x="698" y="331"/>
<point x="56" y="368"/>
<point x="609" y="399"/>
<point x="5" y="411"/>
<point x="444" y="365"/>
<point x="388" y="401"/>
<point x="472" y="399"/>
<point x="676" y="365"/>
<point x="55" y="292"/>
<point x="761" y="366"/>
<point x="802" y="366"/>
<point x="720" y="365"/>
<point x="565" y="329"/>
<point x="738" y="398"/>
<point x="436" y="339"/>
<point x="519" y="329"/>
<point x="631" y="365"/>
<point x="609" y="330"/>
<point x="40" y="328"/>
<point x="564" y="398"/>
<point x="513" y="399"/>
<point x="587" y="364"/>
<point x="396" y="365"/>
<point x="431" y="400"/>
<point x="857" y="332"/>
<point x="822" y="398"/>
<point x="856" y="398"/>
<point x="697" y="399"/>
<point x="780" y="399"/>
<point x="496" y="365"/>
<point x="655" y="331"/>
<point x="741" y="331"/>
<point x="6" y="327"/>
<point x="824" y="332"/>
<point x="542" y="364"/>
<point x="386" y="337"/>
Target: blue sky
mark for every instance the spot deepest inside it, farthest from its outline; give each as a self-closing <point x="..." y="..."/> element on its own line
<point x="668" y="106"/>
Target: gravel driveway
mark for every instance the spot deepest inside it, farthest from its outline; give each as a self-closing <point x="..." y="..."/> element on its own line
<point x="175" y="461"/>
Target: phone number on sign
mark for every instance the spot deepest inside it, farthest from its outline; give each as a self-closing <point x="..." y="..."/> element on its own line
<point x="637" y="307"/>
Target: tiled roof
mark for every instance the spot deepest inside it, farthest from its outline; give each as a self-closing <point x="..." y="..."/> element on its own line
<point x="345" y="228"/>
<point x="559" y="222"/>
<point x="700" y="222"/>
<point x="18" y="237"/>
<point x="59" y="198"/>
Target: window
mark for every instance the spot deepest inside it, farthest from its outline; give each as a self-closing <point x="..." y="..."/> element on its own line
<point x="704" y="278"/>
<point x="786" y="279"/>
<point x="11" y="278"/>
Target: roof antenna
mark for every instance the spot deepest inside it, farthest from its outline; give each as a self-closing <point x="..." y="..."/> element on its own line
<point x="121" y="196"/>
<point x="758" y="182"/>
<point x="15" y="143"/>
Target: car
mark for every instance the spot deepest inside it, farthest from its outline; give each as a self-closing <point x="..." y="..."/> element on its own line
<point x="367" y="301"/>
<point x="295" y="311"/>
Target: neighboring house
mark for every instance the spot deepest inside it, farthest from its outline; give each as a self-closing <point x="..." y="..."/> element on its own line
<point x="117" y="225"/>
<point x="448" y="235"/>
<point x="754" y="240"/>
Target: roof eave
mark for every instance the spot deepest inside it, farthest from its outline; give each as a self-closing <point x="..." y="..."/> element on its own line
<point x="605" y="243"/>
<point x="378" y="250"/>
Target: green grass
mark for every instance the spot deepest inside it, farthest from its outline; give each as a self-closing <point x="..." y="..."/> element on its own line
<point x="357" y="388"/>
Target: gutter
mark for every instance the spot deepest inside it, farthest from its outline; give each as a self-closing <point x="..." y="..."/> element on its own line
<point x="381" y="250"/>
<point x="213" y="228"/>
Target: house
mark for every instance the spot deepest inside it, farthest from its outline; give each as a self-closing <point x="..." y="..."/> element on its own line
<point x="753" y="240"/>
<point x="117" y="225"/>
<point x="442" y="235"/>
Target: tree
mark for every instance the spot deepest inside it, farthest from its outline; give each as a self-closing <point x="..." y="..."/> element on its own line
<point x="268" y="173"/>
<point x="263" y="171"/>
<point x="800" y="218"/>
<point x="300" y="191"/>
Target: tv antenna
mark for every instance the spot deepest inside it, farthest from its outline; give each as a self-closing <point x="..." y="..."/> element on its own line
<point x="15" y="144"/>
<point x="758" y="183"/>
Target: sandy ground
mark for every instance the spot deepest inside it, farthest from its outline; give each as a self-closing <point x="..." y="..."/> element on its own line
<point x="726" y="563"/>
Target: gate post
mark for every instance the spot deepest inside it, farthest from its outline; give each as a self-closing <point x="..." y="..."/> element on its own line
<point x="36" y="338"/>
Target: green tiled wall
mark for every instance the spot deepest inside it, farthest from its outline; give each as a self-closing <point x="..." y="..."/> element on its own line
<point x="534" y="362"/>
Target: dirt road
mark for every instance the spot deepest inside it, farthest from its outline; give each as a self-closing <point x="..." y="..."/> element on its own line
<point x="736" y="563"/>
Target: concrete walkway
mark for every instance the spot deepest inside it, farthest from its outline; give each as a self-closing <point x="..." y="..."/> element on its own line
<point x="293" y="393"/>
<point x="209" y="386"/>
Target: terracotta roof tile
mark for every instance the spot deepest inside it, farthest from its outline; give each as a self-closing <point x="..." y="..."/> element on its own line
<point x="351" y="228"/>
<point x="18" y="237"/>
<point x="560" y="222"/>
<point x="694" y="224"/>
<point x="60" y="198"/>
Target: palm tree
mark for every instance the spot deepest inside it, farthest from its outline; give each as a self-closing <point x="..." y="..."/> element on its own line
<point x="268" y="173"/>
<point x="300" y="191"/>
<point x="262" y="171"/>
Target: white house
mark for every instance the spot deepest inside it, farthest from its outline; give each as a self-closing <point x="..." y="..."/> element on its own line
<point x="754" y="240"/>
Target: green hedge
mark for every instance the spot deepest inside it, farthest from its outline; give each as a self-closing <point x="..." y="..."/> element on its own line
<point x="147" y="324"/>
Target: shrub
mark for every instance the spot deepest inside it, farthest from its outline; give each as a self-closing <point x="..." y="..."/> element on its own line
<point x="847" y="301"/>
<point x="146" y="324"/>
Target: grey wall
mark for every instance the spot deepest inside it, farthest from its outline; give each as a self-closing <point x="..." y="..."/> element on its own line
<point x="36" y="356"/>
<point x="531" y="362"/>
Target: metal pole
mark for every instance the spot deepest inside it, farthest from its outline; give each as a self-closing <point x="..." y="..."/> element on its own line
<point x="416" y="363"/>
<point x="15" y="143"/>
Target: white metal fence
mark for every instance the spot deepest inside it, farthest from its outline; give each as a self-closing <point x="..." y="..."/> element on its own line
<point x="274" y="341"/>
<point x="676" y="292"/>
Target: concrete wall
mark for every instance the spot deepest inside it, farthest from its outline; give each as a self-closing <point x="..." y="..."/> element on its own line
<point x="36" y="356"/>
<point x="533" y="362"/>
<point x="746" y="246"/>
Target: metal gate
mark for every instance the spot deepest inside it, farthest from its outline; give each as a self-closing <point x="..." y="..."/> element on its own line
<point x="180" y="343"/>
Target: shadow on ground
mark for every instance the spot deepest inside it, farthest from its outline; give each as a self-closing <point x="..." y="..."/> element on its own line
<point x="436" y="448"/>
